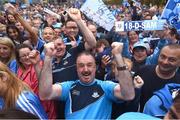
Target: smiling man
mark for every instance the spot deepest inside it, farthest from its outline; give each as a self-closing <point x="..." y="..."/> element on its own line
<point x="157" y="76"/>
<point x="86" y="97"/>
<point x="64" y="61"/>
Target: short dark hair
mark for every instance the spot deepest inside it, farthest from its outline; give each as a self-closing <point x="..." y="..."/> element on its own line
<point x="102" y="41"/>
<point x="86" y="52"/>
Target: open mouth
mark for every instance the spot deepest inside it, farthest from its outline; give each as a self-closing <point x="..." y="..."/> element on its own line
<point x="86" y="74"/>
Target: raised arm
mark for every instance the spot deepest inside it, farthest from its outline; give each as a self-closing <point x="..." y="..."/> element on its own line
<point x="90" y="40"/>
<point x="125" y="89"/>
<point x="34" y="37"/>
<point x="47" y="90"/>
<point x="34" y="57"/>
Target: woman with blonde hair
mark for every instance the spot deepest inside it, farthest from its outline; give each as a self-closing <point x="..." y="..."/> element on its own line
<point x="16" y="94"/>
<point x="7" y="53"/>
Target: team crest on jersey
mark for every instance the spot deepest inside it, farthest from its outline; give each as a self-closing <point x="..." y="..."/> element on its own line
<point x="95" y="95"/>
<point x="76" y="92"/>
<point x="65" y="63"/>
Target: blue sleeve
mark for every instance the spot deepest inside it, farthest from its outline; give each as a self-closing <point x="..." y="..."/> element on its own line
<point x="40" y="45"/>
<point x="1" y="103"/>
<point x="153" y="59"/>
<point x="66" y="86"/>
<point x="13" y="66"/>
<point x="108" y="87"/>
<point x="162" y="43"/>
<point x="126" y="53"/>
<point x="154" y="107"/>
<point x="29" y="102"/>
<point x="40" y="48"/>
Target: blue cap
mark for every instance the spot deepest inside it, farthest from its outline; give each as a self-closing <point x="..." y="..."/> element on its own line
<point x="140" y="44"/>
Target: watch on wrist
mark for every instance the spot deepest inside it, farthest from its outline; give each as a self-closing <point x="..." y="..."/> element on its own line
<point x="121" y="68"/>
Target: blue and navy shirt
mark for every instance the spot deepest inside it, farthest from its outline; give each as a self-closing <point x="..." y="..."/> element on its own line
<point x="29" y="102"/>
<point x="92" y="101"/>
<point x="67" y="41"/>
<point x="65" y="70"/>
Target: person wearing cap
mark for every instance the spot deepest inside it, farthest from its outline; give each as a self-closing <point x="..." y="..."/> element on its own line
<point x="139" y="55"/>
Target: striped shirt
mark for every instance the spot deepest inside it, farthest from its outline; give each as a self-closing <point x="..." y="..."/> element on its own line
<point x="29" y="102"/>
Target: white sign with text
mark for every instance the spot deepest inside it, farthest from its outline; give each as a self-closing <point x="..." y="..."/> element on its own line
<point x="98" y="12"/>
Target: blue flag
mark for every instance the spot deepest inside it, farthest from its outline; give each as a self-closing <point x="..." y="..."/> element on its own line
<point x="171" y="13"/>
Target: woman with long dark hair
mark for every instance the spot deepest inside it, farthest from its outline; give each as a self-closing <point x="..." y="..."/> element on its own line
<point x="15" y="35"/>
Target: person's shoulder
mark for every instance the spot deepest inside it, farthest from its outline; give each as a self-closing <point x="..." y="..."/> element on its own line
<point x="28" y="95"/>
<point x="105" y="83"/>
<point x="70" y="82"/>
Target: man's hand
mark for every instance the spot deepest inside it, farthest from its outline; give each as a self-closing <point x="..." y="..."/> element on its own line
<point x="74" y="44"/>
<point x="117" y="48"/>
<point x="50" y="49"/>
<point x="105" y="60"/>
<point x="74" y="14"/>
<point x="10" y="8"/>
<point x="138" y="82"/>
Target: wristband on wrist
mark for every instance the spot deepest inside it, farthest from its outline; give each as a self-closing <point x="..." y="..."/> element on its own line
<point x="122" y="68"/>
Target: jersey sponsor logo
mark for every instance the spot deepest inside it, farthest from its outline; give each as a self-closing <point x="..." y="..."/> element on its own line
<point x="95" y="95"/>
<point x="76" y="92"/>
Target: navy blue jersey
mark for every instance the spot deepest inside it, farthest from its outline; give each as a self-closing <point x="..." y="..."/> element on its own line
<point x="65" y="70"/>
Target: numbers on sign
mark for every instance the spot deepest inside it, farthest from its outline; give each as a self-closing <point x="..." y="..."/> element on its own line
<point x="130" y="26"/>
<point x="141" y="25"/>
<point x="126" y="25"/>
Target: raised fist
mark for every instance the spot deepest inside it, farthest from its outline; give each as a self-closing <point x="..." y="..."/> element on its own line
<point x="138" y="82"/>
<point x="117" y="48"/>
<point x="50" y="49"/>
